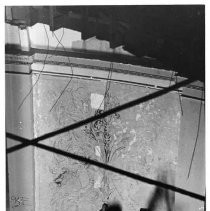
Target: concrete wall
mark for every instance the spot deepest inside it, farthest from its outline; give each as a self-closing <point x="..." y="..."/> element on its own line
<point x="21" y="166"/>
<point x="188" y="133"/>
<point x="20" y="163"/>
<point x="143" y="139"/>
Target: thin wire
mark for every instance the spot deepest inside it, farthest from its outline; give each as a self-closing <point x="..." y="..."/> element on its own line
<point x="111" y="68"/>
<point x="108" y="84"/>
<point x="72" y="73"/>
<point x="60" y="95"/>
<point x="58" y="43"/>
<point x="180" y="101"/>
<point x="171" y="78"/>
<point x="48" y="46"/>
<point x="106" y="89"/>
<point x="196" y="140"/>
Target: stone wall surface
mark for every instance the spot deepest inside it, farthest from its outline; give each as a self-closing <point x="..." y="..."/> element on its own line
<point x="142" y="139"/>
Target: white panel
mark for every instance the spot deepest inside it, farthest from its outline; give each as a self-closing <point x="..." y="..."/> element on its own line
<point x="12" y="35"/>
<point x="97" y="101"/>
<point x="24" y="40"/>
<point x="39" y="37"/>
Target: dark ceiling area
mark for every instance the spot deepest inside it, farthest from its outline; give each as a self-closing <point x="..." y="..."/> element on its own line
<point x="173" y="35"/>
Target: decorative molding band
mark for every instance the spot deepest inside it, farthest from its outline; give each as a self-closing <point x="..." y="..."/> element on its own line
<point x="155" y="77"/>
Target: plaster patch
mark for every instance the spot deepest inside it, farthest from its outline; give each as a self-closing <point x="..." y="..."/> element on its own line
<point x="125" y="129"/>
<point x="97" y="101"/>
<point x="97" y="183"/>
<point x="134" y="139"/>
<point x="86" y="186"/>
<point x="138" y="116"/>
<point x="149" y="151"/>
<point x="98" y="151"/>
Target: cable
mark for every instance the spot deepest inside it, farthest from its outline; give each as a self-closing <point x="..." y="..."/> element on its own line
<point x="172" y="74"/>
<point x="58" y="43"/>
<point x="109" y="81"/>
<point x="72" y="73"/>
<point x="180" y="101"/>
<point x="108" y="84"/>
<point x="60" y="94"/>
<point x="48" y="45"/>
<point x="111" y="68"/>
<point x="196" y="140"/>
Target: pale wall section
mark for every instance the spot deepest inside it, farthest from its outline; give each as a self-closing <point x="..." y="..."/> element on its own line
<point x="188" y="133"/>
<point x="143" y="139"/>
<point x="50" y="39"/>
<point x="20" y="122"/>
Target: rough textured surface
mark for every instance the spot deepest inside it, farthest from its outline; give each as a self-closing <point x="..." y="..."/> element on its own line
<point x="142" y="139"/>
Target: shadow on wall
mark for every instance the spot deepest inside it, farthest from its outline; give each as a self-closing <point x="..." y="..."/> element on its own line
<point x="111" y="207"/>
<point x="161" y="195"/>
<point x="157" y="199"/>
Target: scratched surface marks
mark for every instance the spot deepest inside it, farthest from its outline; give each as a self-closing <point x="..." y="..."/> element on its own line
<point x="142" y="139"/>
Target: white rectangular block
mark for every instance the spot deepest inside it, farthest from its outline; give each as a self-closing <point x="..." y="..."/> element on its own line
<point x="97" y="101"/>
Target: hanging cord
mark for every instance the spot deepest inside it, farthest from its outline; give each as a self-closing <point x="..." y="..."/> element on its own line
<point x="180" y="100"/>
<point x="57" y="43"/>
<point x="172" y="74"/>
<point x="72" y="73"/>
<point x="48" y="45"/>
<point x="108" y="84"/>
<point x="196" y="140"/>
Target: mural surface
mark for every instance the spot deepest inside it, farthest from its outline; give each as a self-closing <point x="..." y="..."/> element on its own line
<point x="142" y="139"/>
